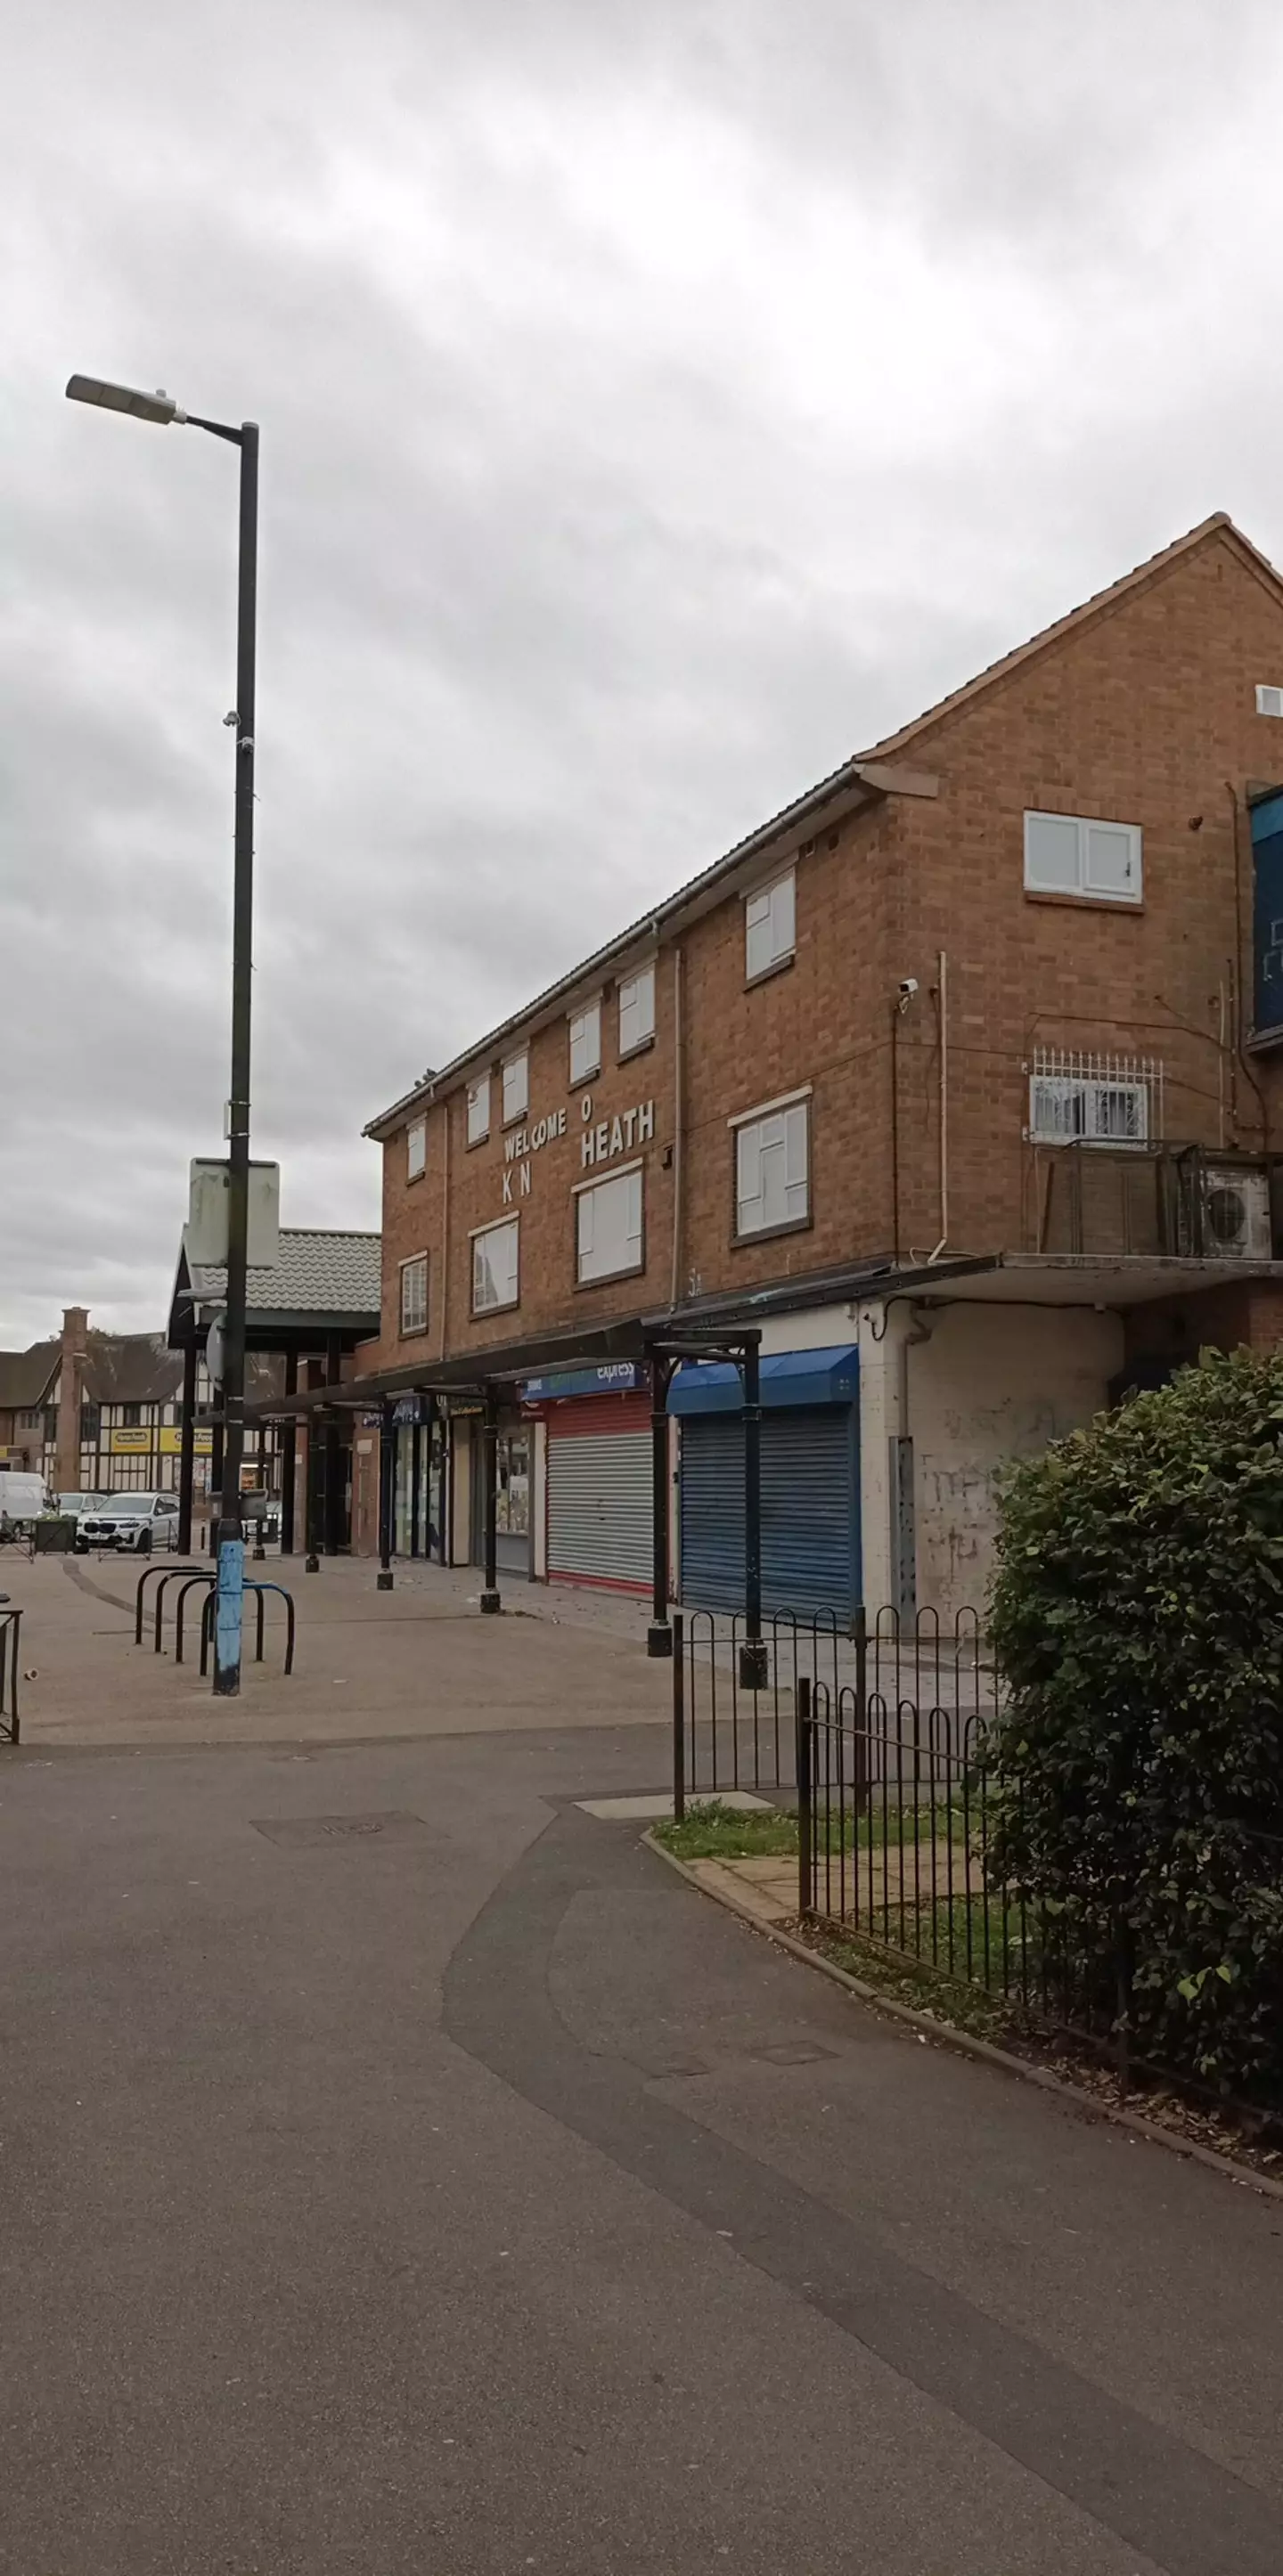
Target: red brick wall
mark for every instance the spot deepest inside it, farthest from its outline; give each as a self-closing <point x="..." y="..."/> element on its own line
<point x="1141" y="715"/>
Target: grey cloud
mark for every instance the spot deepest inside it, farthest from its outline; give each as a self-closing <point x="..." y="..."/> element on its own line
<point x="657" y="404"/>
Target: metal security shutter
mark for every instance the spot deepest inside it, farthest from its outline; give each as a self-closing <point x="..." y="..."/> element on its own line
<point x="810" y="1529"/>
<point x="599" y="1491"/>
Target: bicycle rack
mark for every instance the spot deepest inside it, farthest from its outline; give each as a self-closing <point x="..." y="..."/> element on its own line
<point x="207" y="1624"/>
<point x="164" y="1571"/>
<point x="189" y="1586"/>
<point x="10" y="1656"/>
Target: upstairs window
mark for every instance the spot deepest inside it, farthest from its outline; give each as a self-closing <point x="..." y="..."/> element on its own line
<point x="495" y="1267"/>
<point x="416" y="1149"/>
<point x="585" y="1043"/>
<point x="769" y="927"/>
<point x="1070" y="854"/>
<point x="772" y="1169"/>
<point x="414" y="1294"/>
<point x="1095" y="1099"/>
<point x="516" y="1087"/>
<point x="608" y="1227"/>
<point x="131" y="1416"/>
<point x="479" y="1109"/>
<point x="637" y="1011"/>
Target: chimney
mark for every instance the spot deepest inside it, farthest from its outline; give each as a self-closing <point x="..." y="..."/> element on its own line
<point x="71" y="1388"/>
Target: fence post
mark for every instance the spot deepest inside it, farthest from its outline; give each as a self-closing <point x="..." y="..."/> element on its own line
<point x="805" y="1765"/>
<point x="679" y="1719"/>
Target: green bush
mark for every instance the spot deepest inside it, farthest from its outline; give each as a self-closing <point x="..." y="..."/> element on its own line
<point x="1137" y="1613"/>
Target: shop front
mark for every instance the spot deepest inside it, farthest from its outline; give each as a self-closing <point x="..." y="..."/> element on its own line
<point x="419" y="1491"/>
<point x="598" y="1495"/>
<point x="810" y="1453"/>
<point x="514" y="1458"/>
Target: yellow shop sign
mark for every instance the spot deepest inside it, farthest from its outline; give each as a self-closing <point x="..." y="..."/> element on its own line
<point x="139" y="1441"/>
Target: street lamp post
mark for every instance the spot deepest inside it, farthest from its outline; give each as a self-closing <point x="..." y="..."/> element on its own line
<point x="229" y="1588"/>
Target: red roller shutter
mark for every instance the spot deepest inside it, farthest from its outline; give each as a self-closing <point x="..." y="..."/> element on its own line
<point x="599" y="1491"/>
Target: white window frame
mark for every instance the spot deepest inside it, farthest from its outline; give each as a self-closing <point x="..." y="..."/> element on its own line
<point x="516" y="1086"/>
<point x="416" y="1149"/>
<point x="585" y="1042"/>
<point x="1082" y="869"/>
<point x="479" y="1109"/>
<point x="770" y="925"/>
<point x="481" y="1234"/>
<point x="1269" y="699"/>
<point x="588" y="1196"/>
<point x="774" y="1129"/>
<point x="636" y="1011"/>
<point x="417" y="1261"/>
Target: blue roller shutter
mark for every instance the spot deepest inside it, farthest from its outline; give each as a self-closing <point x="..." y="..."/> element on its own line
<point x="810" y="1517"/>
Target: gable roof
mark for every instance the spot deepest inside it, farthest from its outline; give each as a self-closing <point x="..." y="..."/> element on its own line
<point x="862" y="777"/>
<point x="25" y="1376"/>
<point x="130" y="1368"/>
<point x="1100" y="604"/>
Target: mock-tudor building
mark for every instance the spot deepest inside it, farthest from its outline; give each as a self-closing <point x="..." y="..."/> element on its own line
<point x="959" y="1077"/>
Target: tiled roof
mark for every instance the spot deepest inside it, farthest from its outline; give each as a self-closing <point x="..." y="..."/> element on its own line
<point x="131" y="1368"/>
<point x="800" y="810"/>
<point x="24" y="1375"/>
<point x="319" y="1271"/>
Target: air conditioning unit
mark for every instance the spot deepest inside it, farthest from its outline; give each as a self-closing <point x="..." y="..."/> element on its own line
<point x="1236" y="1212"/>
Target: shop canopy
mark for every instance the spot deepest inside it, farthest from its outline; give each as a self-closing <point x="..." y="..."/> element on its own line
<point x="828" y="1376"/>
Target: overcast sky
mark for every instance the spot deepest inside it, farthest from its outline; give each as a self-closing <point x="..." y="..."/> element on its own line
<point x="660" y="400"/>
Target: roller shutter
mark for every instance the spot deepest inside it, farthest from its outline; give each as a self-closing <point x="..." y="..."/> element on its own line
<point x="810" y="1524"/>
<point x="599" y="1492"/>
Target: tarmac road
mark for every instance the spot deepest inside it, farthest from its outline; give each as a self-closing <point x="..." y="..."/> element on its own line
<point x="401" y="2170"/>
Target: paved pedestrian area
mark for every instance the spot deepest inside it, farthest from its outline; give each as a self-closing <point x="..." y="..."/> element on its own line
<point x="402" y="2169"/>
<point x="367" y="1663"/>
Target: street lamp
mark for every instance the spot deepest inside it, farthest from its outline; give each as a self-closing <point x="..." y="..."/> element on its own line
<point x="229" y="1588"/>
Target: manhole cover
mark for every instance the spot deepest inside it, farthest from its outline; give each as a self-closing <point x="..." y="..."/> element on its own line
<point x="392" y="1827"/>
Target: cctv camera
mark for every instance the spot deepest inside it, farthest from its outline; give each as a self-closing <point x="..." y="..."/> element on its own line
<point x="908" y="986"/>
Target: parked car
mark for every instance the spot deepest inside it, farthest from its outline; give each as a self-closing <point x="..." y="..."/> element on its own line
<point x="140" y="1521"/>
<point x="22" y="1500"/>
<point x="71" y="1506"/>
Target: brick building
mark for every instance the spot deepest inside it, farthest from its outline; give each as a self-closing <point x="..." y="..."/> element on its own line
<point x="957" y="1077"/>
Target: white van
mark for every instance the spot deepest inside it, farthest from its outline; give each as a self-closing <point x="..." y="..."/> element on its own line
<point x="22" y="1500"/>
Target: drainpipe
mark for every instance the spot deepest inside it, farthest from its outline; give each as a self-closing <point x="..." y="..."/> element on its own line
<point x="942" y="990"/>
<point x="678" y="1115"/>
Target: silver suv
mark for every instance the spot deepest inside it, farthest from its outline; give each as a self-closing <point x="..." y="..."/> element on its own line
<point x="143" y="1522"/>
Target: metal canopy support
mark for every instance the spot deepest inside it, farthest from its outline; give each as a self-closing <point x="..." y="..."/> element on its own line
<point x="333" y="1452"/>
<point x="187" y="1450"/>
<point x="490" y="1600"/>
<point x="387" y="1476"/>
<point x="289" y="1459"/>
<point x="659" y="1635"/>
<point x="743" y="1350"/>
<point x="754" y="1673"/>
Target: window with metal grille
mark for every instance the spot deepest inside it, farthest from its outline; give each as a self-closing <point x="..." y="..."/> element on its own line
<point x="1094" y="1099"/>
<point x="414" y="1294"/>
